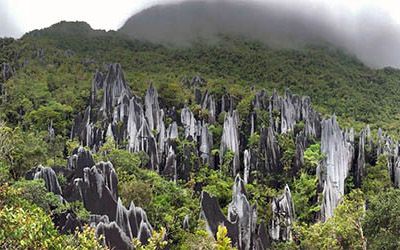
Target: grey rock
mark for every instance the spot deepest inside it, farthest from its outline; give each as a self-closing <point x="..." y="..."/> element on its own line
<point x="110" y="177"/>
<point x="170" y="169"/>
<point x="230" y="139"/>
<point x="113" y="236"/>
<point x="270" y="152"/>
<point x="114" y="86"/>
<point x="189" y="123"/>
<point x="206" y="144"/>
<point x="152" y="109"/>
<point x="95" y="194"/>
<point x="80" y="159"/>
<point x="283" y="216"/>
<point x="241" y="212"/>
<point x="209" y="104"/>
<point x="247" y="165"/>
<point x="339" y="151"/>
<point x="49" y="177"/>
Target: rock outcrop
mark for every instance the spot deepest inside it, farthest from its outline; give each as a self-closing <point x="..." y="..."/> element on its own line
<point x="282" y="216"/>
<point x="230" y="140"/>
<point x="339" y="151"/>
<point x="49" y="177"/>
<point x="241" y="221"/>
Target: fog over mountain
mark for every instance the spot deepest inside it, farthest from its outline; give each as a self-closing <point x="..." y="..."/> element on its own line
<point x="7" y="24"/>
<point x="370" y="34"/>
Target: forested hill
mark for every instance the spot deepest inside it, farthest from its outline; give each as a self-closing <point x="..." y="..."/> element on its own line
<point x="218" y="145"/>
<point x="335" y="81"/>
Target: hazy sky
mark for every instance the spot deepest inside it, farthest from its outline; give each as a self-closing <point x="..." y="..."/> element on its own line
<point x="20" y="16"/>
<point x="369" y="29"/>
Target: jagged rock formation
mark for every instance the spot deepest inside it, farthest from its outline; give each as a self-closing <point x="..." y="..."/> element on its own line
<point x="361" y="158"/>
<point x="206" y="144"/>
<point x="6" y="72"/>
<point x="96" y="185"/>
<point x="209" y="104"/>
<point x="243" y="213"/>
<point x="247" y="165"/>
<point x="113" y="236"/>
<point x="79" y="160"/>
<point x="270" y="150"/>
<point x="339" y="151"/>
<point x="241" y="221"/>
<point x="49" y="177"/>
<point x="230" y="139"/>
<point x="189" y="123"/>
<point x="282" y="216"/>
<point x="187" y="142"/>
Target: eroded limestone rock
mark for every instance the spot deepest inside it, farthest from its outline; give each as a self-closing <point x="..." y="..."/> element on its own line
<point x="282" y="216"/>
<point x="230" y="139"/>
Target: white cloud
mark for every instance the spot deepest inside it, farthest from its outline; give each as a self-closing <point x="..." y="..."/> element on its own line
<point x="19" y="16"/>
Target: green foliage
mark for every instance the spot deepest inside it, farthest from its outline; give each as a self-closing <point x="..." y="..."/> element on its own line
<point x="122" y="160"/>
<point x="223" y="241"/>
<point x="262" y="195"/>
<point x="35" y="192"/>
<point x="200" y="240"/>
<point x="227" y="161"/>
<point x="254" y="140"/>
<point x="216" y="184"/>
<point x="29" y="227"/>
<point x="78" y="208"/>
<point x="244" y="109"/>
<point x="312" y="157"/>
<point x="24" y="225"/>
<point x="20" y="150"/>
<point x="304" y="196"/>
<point x="288" y="150"/>
<point x="141" y="193"/>
<point x="342" y="231"/>
<point x="263" y="118"/>
<point x="377" y="178"/>
<point x="4" y="173"/>
<point x="156" y="241"/>
<point x="382" y="221"/>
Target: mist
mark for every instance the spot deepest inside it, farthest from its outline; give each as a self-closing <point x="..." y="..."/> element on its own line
<point x="8" y="28"/>
<point x="369" y="33"/>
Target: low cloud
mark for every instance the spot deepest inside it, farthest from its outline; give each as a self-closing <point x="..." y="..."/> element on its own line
<point x="369" y="33"/>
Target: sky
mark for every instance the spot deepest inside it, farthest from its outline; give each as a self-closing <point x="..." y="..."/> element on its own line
<point x="370" y="29"/>
<point x="20" y="16"/>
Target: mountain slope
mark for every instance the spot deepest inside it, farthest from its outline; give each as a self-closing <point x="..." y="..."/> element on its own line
<point x="336" y="82"/>
<point x="171" y="131"/>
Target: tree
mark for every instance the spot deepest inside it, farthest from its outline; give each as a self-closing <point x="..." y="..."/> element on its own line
<point x="21" y="150"/>
<point x="377" y="178"/>
<point x="304" y="197"/>
<point x="382" y="221"/>
<point x="342" y="231"/>
<point x="223" y="242"/>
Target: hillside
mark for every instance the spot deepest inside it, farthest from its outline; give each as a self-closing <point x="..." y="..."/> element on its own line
<point x="230" y="132"/>
<point x="336" y="82"/>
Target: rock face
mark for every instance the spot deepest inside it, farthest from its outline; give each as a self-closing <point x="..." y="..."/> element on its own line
<point x="230" y="140"/>
<point x="189" y="123"/>
<point x="361" y="158"/>
<point x="339" y="151"/>
<point x="241" y="221"/>
<point x="178" y="142"/>
<point x="6" y="72"/>
<point x="243" y="213"/>
<point x="206" y="144"/>
<point x="209" y="104"/>
<point x="80" y="160"/>
<point x="282" y="216"/>
<point x="50" y="179"/>
<point x="270" y="151"/>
